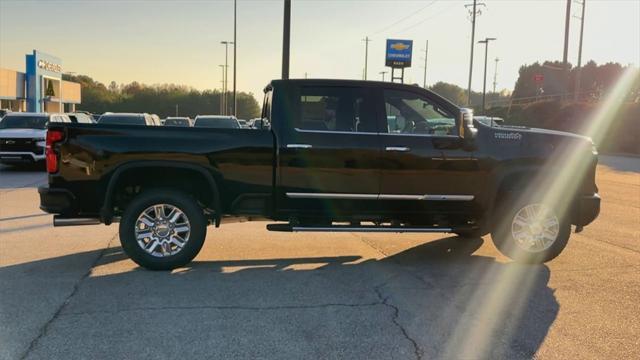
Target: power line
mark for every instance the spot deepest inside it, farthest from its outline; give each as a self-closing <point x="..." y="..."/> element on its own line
<point x="404" y="18"/>
<point x="428" y="18"/>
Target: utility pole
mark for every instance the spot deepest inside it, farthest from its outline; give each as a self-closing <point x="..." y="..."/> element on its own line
<point x="565" y="64"/>
<point x="474" y="11"/>
<point x="222" y="92"/>
<point x="576" y="91"/>
<point x="286" y="37"/>
<point x="426" y="54"/>
<point x="382" y="73"/>
<point x="495" y="76"/>
<point x="484" y="83"/>
<point x="366" y="54"/>
<point x="235" y="45"/>
<point x="176" y="110"/>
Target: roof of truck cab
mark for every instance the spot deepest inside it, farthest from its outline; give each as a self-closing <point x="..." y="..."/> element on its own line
<point x="342" y="82"/>
<point x="354" y="83"/>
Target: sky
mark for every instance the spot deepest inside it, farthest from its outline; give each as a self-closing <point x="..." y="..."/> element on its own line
<point x="166" y="41"/>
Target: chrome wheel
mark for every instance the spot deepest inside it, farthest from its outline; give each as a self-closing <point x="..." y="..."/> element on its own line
<point x="162" y="230"/>
<point x="535" y="228"/>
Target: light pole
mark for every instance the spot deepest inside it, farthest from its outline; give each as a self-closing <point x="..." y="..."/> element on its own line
<point x="576" y="91"/>
<point x="565" y="52"/>
<point x="366" y="54"/>
<point x="474" y="12"/>
<point x="235" y="102"/>
<point x="226" y="73"/>
<point x="222" y="92"/>
<point x="426" y="54"/>
<point x="495" y="76"/>
<point x="286" y="37"/>
<point x="382" y="73"/>
<point x="484" y="83"/>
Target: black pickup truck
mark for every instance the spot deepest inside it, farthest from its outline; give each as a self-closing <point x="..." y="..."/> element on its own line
<point x="338" y="155"/>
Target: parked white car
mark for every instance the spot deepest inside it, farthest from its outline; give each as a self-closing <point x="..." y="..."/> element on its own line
<point x="22" y="136"/>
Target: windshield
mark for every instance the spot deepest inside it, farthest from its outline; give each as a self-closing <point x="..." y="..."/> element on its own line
<point x="121" y="120"/>
<point x="217" y="123"/>
<point x="23" y="122"/>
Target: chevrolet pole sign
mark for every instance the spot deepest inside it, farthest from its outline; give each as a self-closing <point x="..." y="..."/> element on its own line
<point x="398" y="54"/>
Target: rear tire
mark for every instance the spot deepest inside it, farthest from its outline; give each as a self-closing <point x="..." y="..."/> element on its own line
<point x="531" y="232"/>
<point x="162" y="229"/>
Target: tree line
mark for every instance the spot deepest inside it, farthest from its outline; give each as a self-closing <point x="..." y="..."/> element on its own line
<point x="163" y="100"/>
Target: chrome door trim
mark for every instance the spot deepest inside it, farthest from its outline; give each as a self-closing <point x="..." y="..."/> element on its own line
<point x="297" y="195"/>
<point x="449" y="197"/>
<point x="302" y="195"/>
<point x="299" y="146"/>
<point x="397" y="148"/>
<point x="399" y="197"/>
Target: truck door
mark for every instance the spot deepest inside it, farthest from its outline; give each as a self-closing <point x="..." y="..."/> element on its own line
<point x="424" y="169"/>
<point x="329" y="153"/>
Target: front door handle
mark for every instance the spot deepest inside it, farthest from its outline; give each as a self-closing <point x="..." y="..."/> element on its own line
<point x="397" y="148"/>
<point x="299" y="146"/>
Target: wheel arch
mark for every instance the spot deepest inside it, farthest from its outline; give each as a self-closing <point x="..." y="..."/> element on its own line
<point x="505" y="183"/>
<point x="124" y="172"/>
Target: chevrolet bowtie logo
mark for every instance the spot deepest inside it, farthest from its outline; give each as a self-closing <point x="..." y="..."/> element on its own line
<point x="399" y="46"/>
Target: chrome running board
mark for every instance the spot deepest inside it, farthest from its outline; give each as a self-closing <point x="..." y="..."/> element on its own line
<point x="347" y="228"/>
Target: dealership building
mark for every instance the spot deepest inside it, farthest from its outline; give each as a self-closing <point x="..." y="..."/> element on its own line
<point x="40" y="88"/>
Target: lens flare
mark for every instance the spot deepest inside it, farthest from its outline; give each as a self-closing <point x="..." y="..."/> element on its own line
<point x="497" y="305"/>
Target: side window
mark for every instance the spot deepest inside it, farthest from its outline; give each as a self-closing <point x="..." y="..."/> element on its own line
<point x="409" y="113"/>
<point x="336" y="109"/>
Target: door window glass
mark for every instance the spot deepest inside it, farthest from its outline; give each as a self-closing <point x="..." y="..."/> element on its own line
<point x="409" y="113"/>
<point x="336" y="109"/>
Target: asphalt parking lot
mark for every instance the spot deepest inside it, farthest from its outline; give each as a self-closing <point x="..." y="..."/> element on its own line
<point x="69" y="293"/>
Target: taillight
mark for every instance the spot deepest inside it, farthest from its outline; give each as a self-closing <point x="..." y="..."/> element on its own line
<point x="53" y="136"/>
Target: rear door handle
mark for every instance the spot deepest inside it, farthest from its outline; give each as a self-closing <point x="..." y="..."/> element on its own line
<point x="299" y="146"/>
<point x="397" y="148"/>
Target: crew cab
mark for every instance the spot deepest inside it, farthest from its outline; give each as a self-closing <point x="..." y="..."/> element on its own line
<point x="22" y="136"/>
<point x="337" y="155"/>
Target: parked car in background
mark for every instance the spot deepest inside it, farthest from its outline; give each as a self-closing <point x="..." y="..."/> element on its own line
<point x="260" y="124"/>
<point x="80" y="118"/>
<point x="217" y="121"/>
<point x="177" y="121"/>
<point x="156" y="119"/>
<point x="23" y="135"/>
<point x="4" y="112"/>
<point x="490" y="120"/>
<point x="127" y="119"/>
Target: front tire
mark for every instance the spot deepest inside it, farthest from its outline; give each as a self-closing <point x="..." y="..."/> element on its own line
<point x="162" y="229"/>
<point x="531" y="232"/>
